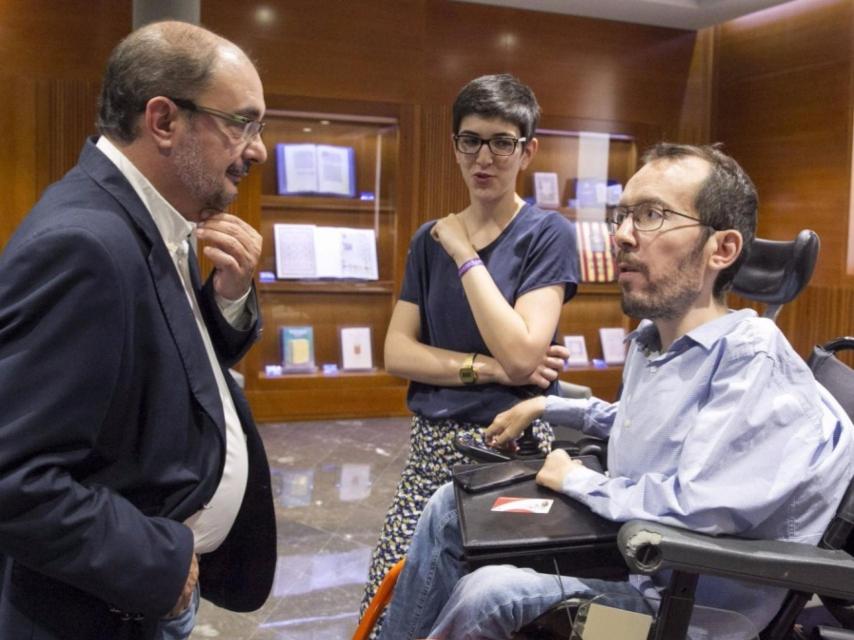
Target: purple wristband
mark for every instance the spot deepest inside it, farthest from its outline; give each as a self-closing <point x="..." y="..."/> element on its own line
<point x="468" y="264"/>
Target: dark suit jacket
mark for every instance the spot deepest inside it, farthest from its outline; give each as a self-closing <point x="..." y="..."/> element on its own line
<point x="111" y="426"/>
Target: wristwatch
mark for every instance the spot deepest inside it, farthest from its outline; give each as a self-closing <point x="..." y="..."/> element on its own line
<point x="467" y="373"/>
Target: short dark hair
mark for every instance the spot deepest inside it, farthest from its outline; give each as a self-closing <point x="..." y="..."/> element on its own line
<point x="726" y="200"/>
<point x="160" y="59"/>
<point x="498" y="96"/>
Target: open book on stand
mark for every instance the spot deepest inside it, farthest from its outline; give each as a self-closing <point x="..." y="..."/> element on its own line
<point x="309" y="251"/>
<point x="315" y="169"/>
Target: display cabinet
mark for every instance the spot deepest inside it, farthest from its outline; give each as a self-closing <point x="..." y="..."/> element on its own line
<point x="388" y="165"/>
<point x="329" y="304"/>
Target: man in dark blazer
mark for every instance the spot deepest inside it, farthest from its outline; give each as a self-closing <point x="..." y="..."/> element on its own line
<point x="131" y="472"/>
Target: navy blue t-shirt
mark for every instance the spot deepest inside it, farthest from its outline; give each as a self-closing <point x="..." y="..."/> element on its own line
<point x="536" y="249"/>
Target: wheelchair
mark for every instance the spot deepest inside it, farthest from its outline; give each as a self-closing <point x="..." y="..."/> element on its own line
<point x="774" y="274"/>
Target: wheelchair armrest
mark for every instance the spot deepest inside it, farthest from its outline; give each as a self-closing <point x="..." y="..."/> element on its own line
<point x="649" y="547"/>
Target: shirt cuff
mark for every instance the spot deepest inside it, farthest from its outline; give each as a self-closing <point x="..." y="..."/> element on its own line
<point x="581" y="481"/>
<point x="234" y="311"/>
<point x="569" y="412"/>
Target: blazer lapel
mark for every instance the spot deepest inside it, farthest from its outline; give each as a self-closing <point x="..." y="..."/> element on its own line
<point x="167" y="284"/>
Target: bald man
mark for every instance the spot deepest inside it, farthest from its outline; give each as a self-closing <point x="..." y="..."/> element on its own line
<point x="132" y="476"/>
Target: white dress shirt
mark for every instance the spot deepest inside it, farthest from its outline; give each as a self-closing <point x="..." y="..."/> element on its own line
<point x="210" y="525"/>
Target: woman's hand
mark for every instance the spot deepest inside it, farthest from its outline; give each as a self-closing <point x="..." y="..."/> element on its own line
<point x="542" y="376"/>
<point x="451" y="233"/>
<point x="509" y="425"/>
<point x="551" y="366"/>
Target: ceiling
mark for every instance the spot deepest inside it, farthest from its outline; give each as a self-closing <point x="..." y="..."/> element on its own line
<point x="679" y="14"/>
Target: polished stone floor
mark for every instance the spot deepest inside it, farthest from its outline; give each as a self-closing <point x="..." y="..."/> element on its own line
<point x="333" y="483"/>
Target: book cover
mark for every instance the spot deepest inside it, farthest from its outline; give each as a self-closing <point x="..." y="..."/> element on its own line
<point x="546" y="191"/>
<point x="297" y="348"/>
<point x="315" y="169"/>
<point x="356" y="352"/>
<point x="577" y="351"/>
<point x="613" y="344"/>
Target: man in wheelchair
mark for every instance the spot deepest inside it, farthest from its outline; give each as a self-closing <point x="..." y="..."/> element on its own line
<point x="721" y="427"/>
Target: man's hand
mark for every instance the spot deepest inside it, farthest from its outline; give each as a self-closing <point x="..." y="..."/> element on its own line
<point x="451" y="234"/>
<point x="234" y="248"/>
<point x="186" y="596"/>
<point x="509" y="425"/>
<point x="554" y="470"/>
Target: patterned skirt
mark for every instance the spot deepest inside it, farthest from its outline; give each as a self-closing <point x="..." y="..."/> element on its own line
<point x="432" y="454"/>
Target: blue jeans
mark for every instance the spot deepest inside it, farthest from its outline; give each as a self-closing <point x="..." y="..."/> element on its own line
<point x="181" y="626"/>
<point x="434" y="597"/>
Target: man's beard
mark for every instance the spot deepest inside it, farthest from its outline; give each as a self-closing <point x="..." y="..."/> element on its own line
<point x="669" y="299"/>
<point x="201" y="183"/>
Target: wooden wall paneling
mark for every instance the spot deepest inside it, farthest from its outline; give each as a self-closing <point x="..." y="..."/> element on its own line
<point x="47" y="122"/>
<point x="65" y="118"/>
<point x="793" y="35"/>
<point x="408" y="187"/>
<point x="820" y="313"/>
<point x="784" y="138"/>
<point x="578" y="67"/>
<point x="68" y="40"/>
<point x="18" y="165"/>
<point x="695" y="117"/>
<point x="782" y="108"/>
<point x="443" y="190"/>
<point x="42" y="43"/>
<point x="366" y="50"/>
<point x="327" y="397"/>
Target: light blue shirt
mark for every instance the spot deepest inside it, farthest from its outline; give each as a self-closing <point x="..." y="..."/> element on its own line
<point x="726" y="432"/>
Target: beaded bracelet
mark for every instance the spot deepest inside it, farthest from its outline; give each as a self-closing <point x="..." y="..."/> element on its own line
<point x="468" y="264"/>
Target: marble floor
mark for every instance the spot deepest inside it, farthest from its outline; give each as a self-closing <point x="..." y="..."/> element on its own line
<point x="333" y="482"/>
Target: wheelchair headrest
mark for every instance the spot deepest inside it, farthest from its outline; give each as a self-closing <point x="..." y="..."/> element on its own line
<point x="775" y="272"/>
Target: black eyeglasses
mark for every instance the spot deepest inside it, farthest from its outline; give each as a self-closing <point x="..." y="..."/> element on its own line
<point x="249" y="127"/>
<point x="646" y="216"/>
<point x="499" y="145"/>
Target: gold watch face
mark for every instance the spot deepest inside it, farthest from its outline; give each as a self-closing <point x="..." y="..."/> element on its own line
<point x="468" y="376"/>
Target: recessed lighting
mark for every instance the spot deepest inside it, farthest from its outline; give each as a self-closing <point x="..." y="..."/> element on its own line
<point x="265" y="15"/>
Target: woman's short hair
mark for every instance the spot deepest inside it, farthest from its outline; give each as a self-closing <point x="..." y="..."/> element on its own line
<point x="498" y="96"/>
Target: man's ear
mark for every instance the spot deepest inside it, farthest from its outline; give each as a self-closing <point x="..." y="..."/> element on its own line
<point x="529" y="151"/>
<point x="728" y="245"/>
<point x="159" y="120"/>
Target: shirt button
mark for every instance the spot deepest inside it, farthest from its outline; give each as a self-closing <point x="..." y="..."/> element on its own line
<point x="626" y="423"/>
